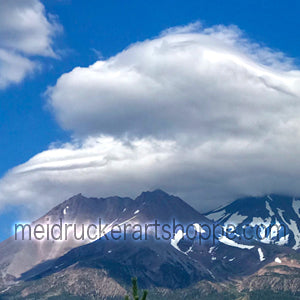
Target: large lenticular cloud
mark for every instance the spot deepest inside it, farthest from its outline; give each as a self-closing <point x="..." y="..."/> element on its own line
<point x="201" y="112"/>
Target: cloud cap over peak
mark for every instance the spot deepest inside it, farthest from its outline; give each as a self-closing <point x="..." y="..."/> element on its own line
<point x="199" y="112"/>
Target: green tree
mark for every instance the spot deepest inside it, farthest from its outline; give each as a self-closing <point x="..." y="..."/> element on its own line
<point x="135" y="291"/>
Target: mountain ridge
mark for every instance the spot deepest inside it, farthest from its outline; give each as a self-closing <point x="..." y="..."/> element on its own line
<point x="174" y="263"/>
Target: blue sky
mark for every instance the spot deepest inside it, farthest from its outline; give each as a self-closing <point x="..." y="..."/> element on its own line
<point x="105" y="28"/>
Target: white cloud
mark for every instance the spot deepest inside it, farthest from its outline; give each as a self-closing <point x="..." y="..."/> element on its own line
<point x="13" y="67"/>
<point x="25" y="31"/>
<point x="211" y="83"/>
<point x="203" y="113"/>
<point x="98" y="166"/>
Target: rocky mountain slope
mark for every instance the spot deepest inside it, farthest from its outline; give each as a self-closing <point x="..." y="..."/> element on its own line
<point x="271" y="219"/>
<point x="273" y="281"/>
<point x="216" y="261"/>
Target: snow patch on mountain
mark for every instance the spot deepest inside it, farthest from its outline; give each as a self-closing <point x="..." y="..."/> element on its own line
<point x="176" y="239"/>
<point x="262" y="224"/>
<point x="296" y="207"/>
<point x="294" y="228"/>
<point x="283" y="240"/>
<point x="235" y="219"/>
<point x="261" y="254"/>
<point x="65" y="210"/>
<point x="256" y="221"/>
<point x="271" y="233"/>
<point x="229" y="242"/>
<point x="198" y="228"/>
<point x="268" y="207"/>
<point x="277" y="260"/>
<point x="217" y="216"/>
<point x="292" y="225"/>
<point x="274" y="230"/>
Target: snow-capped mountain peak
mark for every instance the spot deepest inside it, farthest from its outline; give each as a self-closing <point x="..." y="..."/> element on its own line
<point x="273" y="218"/>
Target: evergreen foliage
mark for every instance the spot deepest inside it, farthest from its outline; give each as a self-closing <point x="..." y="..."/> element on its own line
<point x="135" y="291"/>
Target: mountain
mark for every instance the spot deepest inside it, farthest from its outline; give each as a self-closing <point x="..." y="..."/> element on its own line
<point x="19" y="256"/>
<point x="157" y="262"/>
<point x="273" y="281"/>
<point x="216" y="261"/>
<point x="272" y="219"/>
